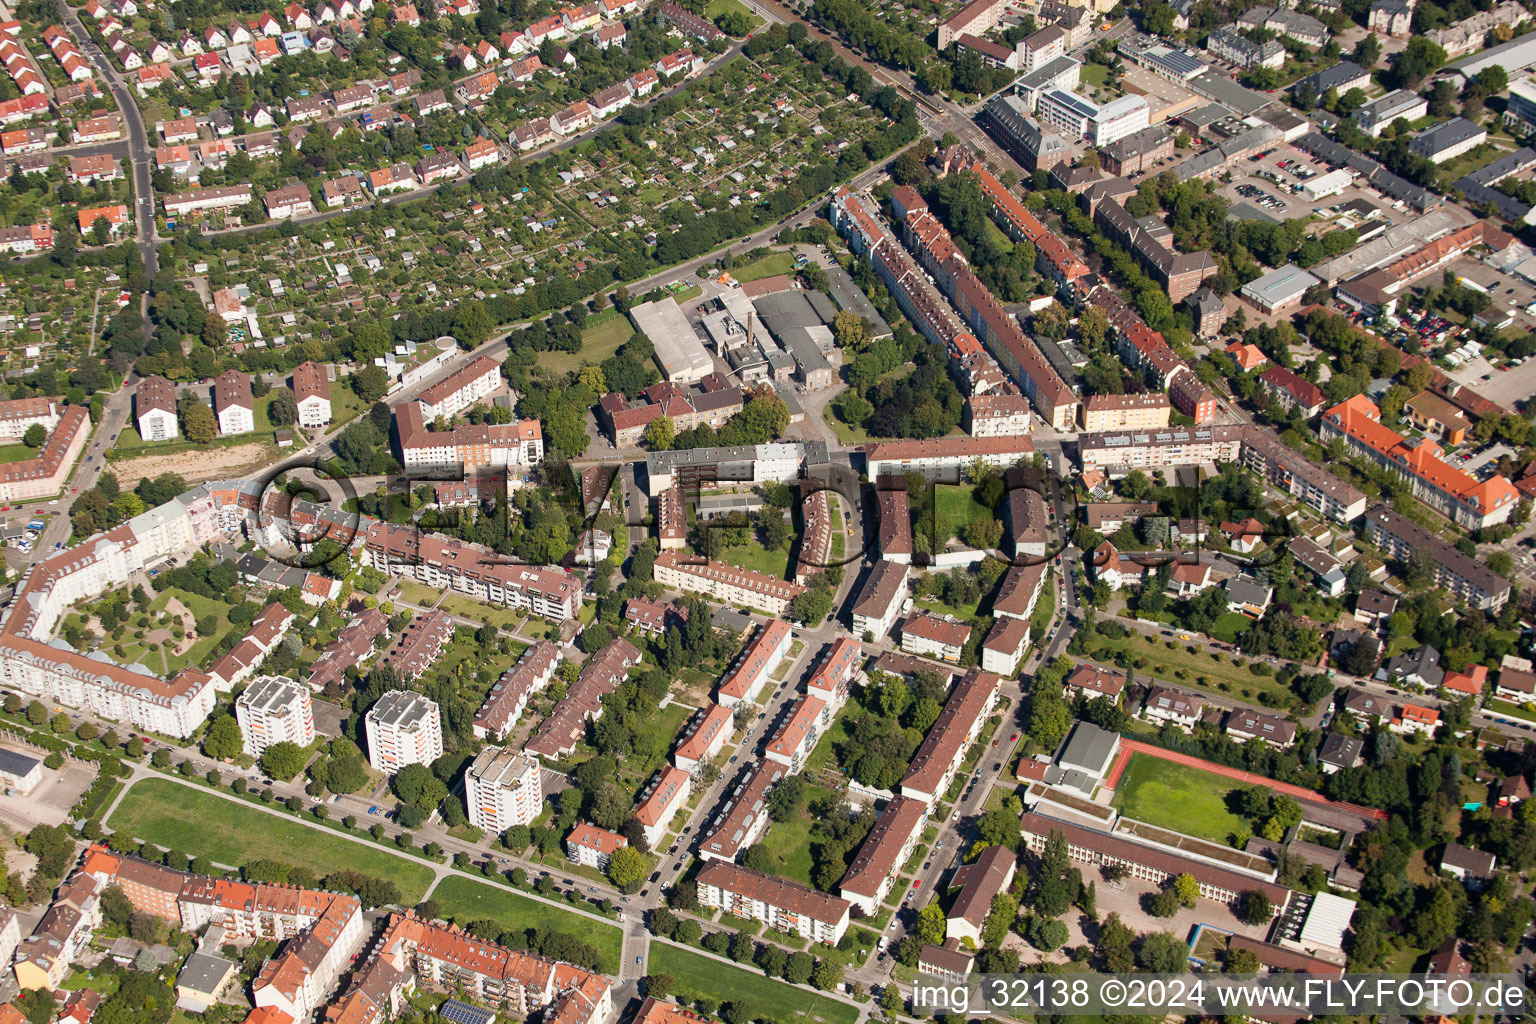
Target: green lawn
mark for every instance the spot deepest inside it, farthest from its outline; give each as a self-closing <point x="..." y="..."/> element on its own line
<point x="1202" y="670"/>
<point x="602" y="336"/>
<point x="753" y="555"/>
<point x="418" y="593"/>
<point x="700" y="977"/>
<point x="776" y="263"/>
<point x="790" y="841"/>
<point x="469" y="608"/>
<point x="464" y="900"/>
<point x="1504" y="707"/>
<point x="17" y="453"/>
<point x="1227" y="627"/>
<point x="713" y="11"/>
<point x="137" y="651"/>
<point x="956" y="506"/>
<point x="1177" y="797"/>
<point x="1092" y="74"/>
<point x="345" y="405"/>
<point x="200" y="824"/>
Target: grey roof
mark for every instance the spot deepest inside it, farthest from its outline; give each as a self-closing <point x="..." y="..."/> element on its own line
<point x="1279" y="285"/>
<point x="1246" y="591"/>
<point x="203" y="973"/>
<point x="1514" y="57"/>
<point x="1423" y="661"/>
<point x="1473" y="862"/>
<point x="1137" y="143"/>
<point x="14" y="762"/>
<point x="1215" y="86"/>
<point x="1479" y="186"/>
<point x="1378" y="176"/>
<point x="731" y="619"/>
<point x="399" y="708"/>
<point x="1046" y="74"/>
<point x="1088" y="747"/>
<point x="1223" y="152"/>
<point x="1340" y="750"/>
<point x="1337" y="77"/>
<point x="1441" y="137"/>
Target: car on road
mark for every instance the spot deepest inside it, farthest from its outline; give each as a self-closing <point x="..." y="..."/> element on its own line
<point x="639" y="959"/>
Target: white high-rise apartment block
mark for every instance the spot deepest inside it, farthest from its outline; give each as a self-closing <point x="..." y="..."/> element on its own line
<point x="274" y="709"/>
<point x="501" y="789"/>
<point x="403" y="728"/>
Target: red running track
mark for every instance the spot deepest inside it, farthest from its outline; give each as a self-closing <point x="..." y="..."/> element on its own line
<point x="1129" y="747"/>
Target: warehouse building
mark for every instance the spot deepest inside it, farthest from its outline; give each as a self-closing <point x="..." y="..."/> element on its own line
<point x="679" y="351"/>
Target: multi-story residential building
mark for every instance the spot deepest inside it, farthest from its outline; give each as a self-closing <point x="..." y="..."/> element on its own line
<point x="274" y="709"/>
<point x="502" y="788"/>
<point x="1462" y="575"/>
<point x="566" y="725"/>
<point x="782" y="905"/>
<point x="1226" y="43"/>
<point x="1300" y="477"/>
<point x="754" y="666"/>
<point x="1404" y="105"/>
<point x="449" y="564"/>
<point x="232" y="403"/>
<point x="45" y="957"/>
<point x="1003" y="649"/>
<point x="466" y="447"/>
<point x="312" y="393"/>
<point x="477" y="380"/>
<point x="705" y="738"/>
<point x="943" y="458"/>
<point x="743" y="817"/>
<point x="726" y="583"/>
<point x="420" y="644"/>
<point x="1179" y="446"/>
<point x="1148" y="411"/>
<point x="879" y="860"/>
<point x="931" y="243"/>
<point x="224" y="197"/>
<point x="1164" y="704"/>
<point x="792" y="742"/>
<point x="353" y="645"/>
<point x="1180" y="273"/>
<point x="880" y="601"/>
<point x="1020" y="591"/>
<point x="666" y="795"/>
<point x="835" y="670"/>
<point x="403" y="728"/>
<point x="976" y="18"/>
<point x="929" y="634"/>
<point x="979" y="883"/>
<point x="997" y="415"/>
<point x="1283" y="21"/>
<point x="154" y="405"/>
<point x="934" y="765"/>
<point x="504" y="704"/>
<point x="1471" y="503"/>
<point x="894" y="536"/>
<point x="591" y="846"/>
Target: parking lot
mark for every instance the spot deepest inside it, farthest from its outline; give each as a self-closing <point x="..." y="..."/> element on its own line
<point x="1267" y="176"/>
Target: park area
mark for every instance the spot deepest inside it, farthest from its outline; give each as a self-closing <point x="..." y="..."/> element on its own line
<point x="200" y="824"/>
<point x="696" y="976"/>
<point x="1188" y="665"/>
<point x="601" y="337"/>
<point x="462" y="900"/>
<point x="1177" y="797"/>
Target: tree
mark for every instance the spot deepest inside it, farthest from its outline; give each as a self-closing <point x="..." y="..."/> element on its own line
<point x="1256" y="907"/>
<point x="1186" y="889"/>
<point x="660" y="433"/>
<point x="1163" y="953"/>
<point x="827" y="975"/>
<point x="626" y="868"/>
<point x="224" y="740"/>
<point x="798" y="970"/>
<point x="416" y="785"/>
<point x="371" y="383"/>
<point x="931" y="924"/>
<point x="1368" y="51"/>
<point x="890" y="999"/>
<point x="35" y="436"/>
<point x="282" y="761"/>
<point x="811" y="607"/>
<point x="282" y="408"/>
<point x="197" y="422"/>
<point x="1163" y="903"/>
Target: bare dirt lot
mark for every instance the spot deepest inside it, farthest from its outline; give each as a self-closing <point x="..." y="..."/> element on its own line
<point x="192" y="466"/>
<point x="50" y="802"/>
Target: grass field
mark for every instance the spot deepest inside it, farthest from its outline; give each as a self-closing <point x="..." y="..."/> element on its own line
<point x="719" y="7"/>
<point x="1219" y="672"/>
<point x="469" y="608"/>
<point x="200" y="824"/>
<point x="604" y="333"/>
<point x="790" y="841"/>
<point x="753" y="555"/>
<point x="768" y="266"/>
<point x="955" y="507"/>
<point x="417" y="593"/>
<point x="17" y="453"/>
<point x="1092" y="74"/>
<point x="1177" y="797"/>
<point x="161" y="661"/>
<point x="695" y="976"/>
<point x="463" y="900"/>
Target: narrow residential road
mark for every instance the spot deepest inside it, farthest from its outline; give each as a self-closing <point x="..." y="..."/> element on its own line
<point x="138" y="140"/>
